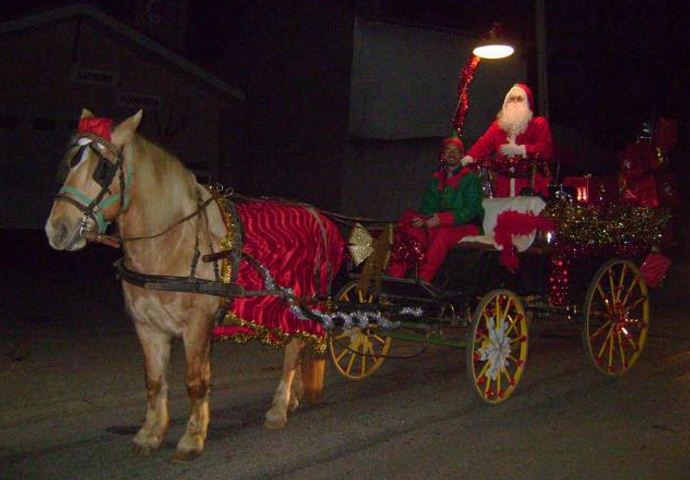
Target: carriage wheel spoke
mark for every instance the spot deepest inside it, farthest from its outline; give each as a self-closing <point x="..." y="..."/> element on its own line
<point x="621" y="350"/>
<point x="611" y="340"/>
<point x="630" y="289"/>
<point x="637" y="302"/>
<point x="621" y="282"/>
<point x="606" y="340"/>
<point x="603" y="296"/>
<point x="600" y="330"/>
<point x="351" y="363"/>
<point x="507" y="308"/>
<point x="611" y="285"/>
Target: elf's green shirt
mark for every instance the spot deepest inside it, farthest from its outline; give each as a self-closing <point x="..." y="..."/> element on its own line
<point x="457" y="200"/>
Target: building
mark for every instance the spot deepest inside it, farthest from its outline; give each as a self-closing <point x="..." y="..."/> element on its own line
<point x="55" y="63"/>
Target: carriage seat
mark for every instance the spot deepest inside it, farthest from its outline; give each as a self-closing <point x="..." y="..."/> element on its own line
<point x="494" y="207"/>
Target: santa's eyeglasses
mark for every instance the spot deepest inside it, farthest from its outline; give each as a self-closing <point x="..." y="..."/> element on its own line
<point x="516" y="98"/>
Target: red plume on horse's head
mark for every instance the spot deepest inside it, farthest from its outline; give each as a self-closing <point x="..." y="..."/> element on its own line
<point x="96" y="125"/>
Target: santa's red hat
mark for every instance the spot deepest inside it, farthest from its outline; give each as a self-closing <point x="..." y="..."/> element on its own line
<point x="523" y="89"/>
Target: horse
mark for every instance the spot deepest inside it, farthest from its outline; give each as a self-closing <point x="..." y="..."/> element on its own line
<point x="166" y="223"/>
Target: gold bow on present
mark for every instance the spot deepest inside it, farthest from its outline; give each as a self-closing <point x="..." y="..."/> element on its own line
<point x="360" y="244"/>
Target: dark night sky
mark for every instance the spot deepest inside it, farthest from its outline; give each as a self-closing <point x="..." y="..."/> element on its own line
<point x="611" y="64"/>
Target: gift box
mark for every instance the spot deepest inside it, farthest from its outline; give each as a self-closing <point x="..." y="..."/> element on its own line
<point x="592" y="189"/>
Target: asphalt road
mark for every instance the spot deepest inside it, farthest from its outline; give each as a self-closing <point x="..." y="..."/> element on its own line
<point x="73" y="397"/>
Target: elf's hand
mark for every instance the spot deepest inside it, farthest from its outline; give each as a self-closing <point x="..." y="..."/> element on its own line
<point x="417" y="222"/>
<point x="466" y="160"/>
<point x="433" y="221"/>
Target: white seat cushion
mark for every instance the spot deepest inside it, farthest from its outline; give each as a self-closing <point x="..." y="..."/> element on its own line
<point x="493" y="207"/>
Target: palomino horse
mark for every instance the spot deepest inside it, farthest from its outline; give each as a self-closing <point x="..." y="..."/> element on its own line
<point x="167" y="223"/>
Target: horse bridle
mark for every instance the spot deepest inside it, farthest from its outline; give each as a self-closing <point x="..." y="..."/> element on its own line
<point x="104" y="174"/>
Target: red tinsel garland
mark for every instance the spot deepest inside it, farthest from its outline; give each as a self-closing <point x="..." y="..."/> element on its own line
<point x="407" y="250"/>
<point x="466" y="77"/>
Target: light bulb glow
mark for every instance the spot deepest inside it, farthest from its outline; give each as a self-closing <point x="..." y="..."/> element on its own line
<point x="493" y="51"/>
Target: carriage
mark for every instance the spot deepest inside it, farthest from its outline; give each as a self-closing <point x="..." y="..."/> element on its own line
<point x="196" y="256"/>
<point x="480" y="305"/>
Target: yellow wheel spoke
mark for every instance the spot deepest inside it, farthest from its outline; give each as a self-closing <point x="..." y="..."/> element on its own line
<point x="636" y="303"/>
<point x="630" y="288"/>
<point x="366" y="345"/>
<point x="603" y="345"/>
<point x="482" y="372"/>
<point x="621" y="282"/>
<point x="513" y="324"/>
<point x="504" y="371"/>
<point x="340" y="356"/>
<point x="620" y="350"/>
<point x="351" y="363"/>
<point x="611" y="339"/>
<point x="604" y="297"/>
<point x="379" y="338"/>
<point x="507" y="309"/>
<point x="630" y="341"/>
<point x="497" y="314"/>
<point x="611" y="286"/>
<point x="600" y="329"/>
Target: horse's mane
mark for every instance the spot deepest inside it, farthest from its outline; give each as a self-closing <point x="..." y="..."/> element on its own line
<point x="161" y="182"/>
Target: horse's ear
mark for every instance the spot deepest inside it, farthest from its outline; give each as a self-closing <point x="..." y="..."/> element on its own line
<point x="86" y="113"/>
<point x="124" y="132"/>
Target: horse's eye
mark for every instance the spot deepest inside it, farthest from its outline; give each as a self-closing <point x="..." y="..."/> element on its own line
<point x="74" y="161"/>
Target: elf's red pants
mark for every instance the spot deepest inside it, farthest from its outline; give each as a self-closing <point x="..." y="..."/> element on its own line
<point x="438" y="241"/>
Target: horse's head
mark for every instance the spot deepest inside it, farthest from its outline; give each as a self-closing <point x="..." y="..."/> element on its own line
<point x="96" y="181"/>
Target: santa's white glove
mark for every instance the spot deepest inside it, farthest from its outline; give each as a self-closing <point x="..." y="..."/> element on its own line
<point x="466" y="160"/>
<point x="511" y="149"/>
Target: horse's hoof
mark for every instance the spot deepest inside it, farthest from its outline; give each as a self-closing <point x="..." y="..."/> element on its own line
<point x="294" y="403"/>
<point x="275" y="423"/>
<point x="143" y="450"/>
<point x="183" y="457"/>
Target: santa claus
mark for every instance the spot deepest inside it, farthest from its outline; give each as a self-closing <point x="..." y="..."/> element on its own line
<point x="521" y="145"/>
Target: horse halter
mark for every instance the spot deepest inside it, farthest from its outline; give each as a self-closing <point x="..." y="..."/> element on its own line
<point x="103" y="175"/>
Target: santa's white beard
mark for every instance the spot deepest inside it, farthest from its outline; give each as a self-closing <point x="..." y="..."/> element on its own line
<point x="514" y="117"/>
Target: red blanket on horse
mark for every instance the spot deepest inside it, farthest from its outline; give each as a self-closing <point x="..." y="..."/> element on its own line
<point x="302" y="250"/>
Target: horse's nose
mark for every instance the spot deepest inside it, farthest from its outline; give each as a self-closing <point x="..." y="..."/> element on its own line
<point x="57" y="234"/>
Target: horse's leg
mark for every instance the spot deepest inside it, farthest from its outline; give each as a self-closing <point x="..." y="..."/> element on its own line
<point x="156" y="346"/>
<point x="276" y="417"/>
<point x="297" y="389"/>
<point x="197" y="345"/>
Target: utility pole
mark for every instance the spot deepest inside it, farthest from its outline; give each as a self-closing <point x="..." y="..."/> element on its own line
<point x="543" y="85"/>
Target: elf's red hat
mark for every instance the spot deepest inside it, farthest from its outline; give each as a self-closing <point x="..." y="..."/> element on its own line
<point x="453" y="141"/>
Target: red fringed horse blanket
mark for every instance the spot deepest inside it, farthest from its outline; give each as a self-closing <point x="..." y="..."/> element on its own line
<point x="302" y="250"/>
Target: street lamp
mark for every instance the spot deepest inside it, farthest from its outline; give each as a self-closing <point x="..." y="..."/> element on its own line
<point x="492" y="46"/>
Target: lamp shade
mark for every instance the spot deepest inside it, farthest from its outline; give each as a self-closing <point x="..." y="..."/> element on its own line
<point x="492" y="45"/>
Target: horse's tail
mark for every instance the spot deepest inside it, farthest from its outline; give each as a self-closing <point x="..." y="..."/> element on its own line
<point x="313" y="372"/>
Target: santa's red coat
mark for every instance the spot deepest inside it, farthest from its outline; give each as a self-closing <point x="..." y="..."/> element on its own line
<point x="538" y="146"/>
